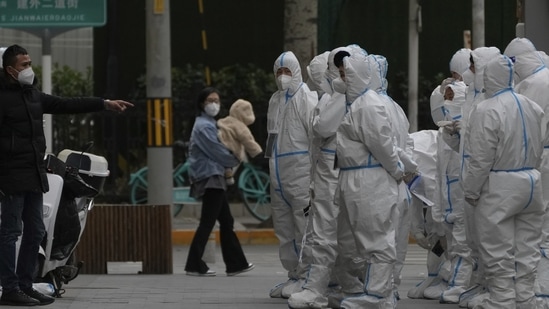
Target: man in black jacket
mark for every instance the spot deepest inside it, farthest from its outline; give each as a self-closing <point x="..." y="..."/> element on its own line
<point x="22" y="170"/>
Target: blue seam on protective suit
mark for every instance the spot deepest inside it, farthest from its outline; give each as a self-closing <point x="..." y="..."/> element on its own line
<point x="347" y="106"/>
<point x="349" y="168"/>
<point x="408" y="197"/>
<point x="288" y="96"/>
<point x="367" y="282"/>
<point x="278" y="176"/>
<point x="543" y="253"/>
<point x="282" y="59"/>
<point x="327" y="150"/>
<point x="287" y="154"/>
<point x="526" y="168"/>
<point x="545" y="147"/>
<point x="456" y="271"/>
<point x="448" y="183"/>
<point x="443" y="109"/>
<point x="539" y="69"/>
<point x="531" y="191"/>
<point x="523" y="126"/>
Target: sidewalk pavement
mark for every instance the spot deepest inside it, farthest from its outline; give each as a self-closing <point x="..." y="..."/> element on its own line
<point x="124" y="287"/>
<point x="245" y="291"/>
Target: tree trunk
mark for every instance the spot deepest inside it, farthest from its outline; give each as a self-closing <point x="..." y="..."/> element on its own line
<point x="300" y="30"/>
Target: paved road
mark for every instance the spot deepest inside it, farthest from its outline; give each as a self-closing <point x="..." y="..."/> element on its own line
<point x="246" y="291"/>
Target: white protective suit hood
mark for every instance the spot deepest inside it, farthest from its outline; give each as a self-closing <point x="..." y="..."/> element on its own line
<point x="453" y="108"/>
<point x="378" y="82"/>
<point x="333" y="72"/>
<point x="358" y="74"/>
<point x="289" y="60"/>
<point x="460" y="62"/>
<point x="481" y="56"/>
<point x="498" y="75"/>
<point x="316" y="72"/>
<point x="527" y="60"/>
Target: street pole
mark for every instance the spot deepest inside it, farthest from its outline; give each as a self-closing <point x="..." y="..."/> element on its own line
<point x="46" y="87"/>
<point x="414" y="27"/>
<point x="159" y="103"/>
<point x="478" y="23"/>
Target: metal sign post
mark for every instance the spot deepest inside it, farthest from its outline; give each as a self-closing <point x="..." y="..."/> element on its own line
<point x="46" y="19"/>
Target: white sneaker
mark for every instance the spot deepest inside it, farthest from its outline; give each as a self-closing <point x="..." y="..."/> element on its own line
<point x="307" y="299"/>
<point x="435" y="291"/>
<point x="291" y="288"/>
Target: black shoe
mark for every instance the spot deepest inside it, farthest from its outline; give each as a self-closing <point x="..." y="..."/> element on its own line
<point x="43" y="299"/>
<point x="17" y="298"/>
<point x="248" y="268"/>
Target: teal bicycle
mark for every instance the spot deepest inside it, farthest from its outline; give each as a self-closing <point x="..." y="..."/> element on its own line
<point x="253" y="186"/>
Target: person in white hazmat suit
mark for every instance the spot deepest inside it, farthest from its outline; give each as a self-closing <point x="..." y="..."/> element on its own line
<point x="405" y="144"/>
<point x="288" y="118"/>
<point x="452" y="135"/>
<point x="459" y="63"/>
<point x="450" y="206"/>
<point x="367" y="191"/>
<point x="307" y="297"/>
<point x="424" y="228"/>
<point x="448" y="211"/>
<point x="532" y="80"/>
<point x="327" y="116"/>
<point x="502" y="181"/>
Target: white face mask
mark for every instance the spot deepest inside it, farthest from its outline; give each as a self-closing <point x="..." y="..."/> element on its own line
<point x="284" y="81"/>
<point x="468" y="77"/>
<point x="339" y="85"/>
<point x="453" y="110"/>
<point x="26" y="76"/>
<point x="212" y="109"/>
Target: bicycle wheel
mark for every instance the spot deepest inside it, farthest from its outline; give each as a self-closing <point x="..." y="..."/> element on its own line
<point x="139" y="185"/>
<point x="254" y="187"/>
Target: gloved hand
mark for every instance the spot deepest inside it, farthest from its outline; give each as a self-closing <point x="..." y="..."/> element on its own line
<point x="471" y="201"/>
<point x="408" y="177"/>
<point x="422" y="241"/>
<point x="445" y="82"/>
<point x="457" y="125"/>
<point x="451" y="128"/>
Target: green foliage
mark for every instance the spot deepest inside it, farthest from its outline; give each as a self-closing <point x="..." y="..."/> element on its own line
<point x="71" y="131"/>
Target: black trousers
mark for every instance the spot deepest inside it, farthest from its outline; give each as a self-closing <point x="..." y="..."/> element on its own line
<point x="216" y="208"/>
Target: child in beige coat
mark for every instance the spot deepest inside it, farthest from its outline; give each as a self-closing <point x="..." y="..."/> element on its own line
<point x="235" y="134"/>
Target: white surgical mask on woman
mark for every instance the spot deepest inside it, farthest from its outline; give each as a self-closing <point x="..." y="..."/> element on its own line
<point x="212" y="109"/>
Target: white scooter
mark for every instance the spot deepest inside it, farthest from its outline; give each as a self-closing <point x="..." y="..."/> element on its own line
<point x="75" y="178"/>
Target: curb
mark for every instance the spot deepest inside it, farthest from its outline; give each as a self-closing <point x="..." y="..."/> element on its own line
<point x="246" y="237"/>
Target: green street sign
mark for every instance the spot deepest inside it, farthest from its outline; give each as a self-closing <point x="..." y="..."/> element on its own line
<point x="53" y="13"/>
